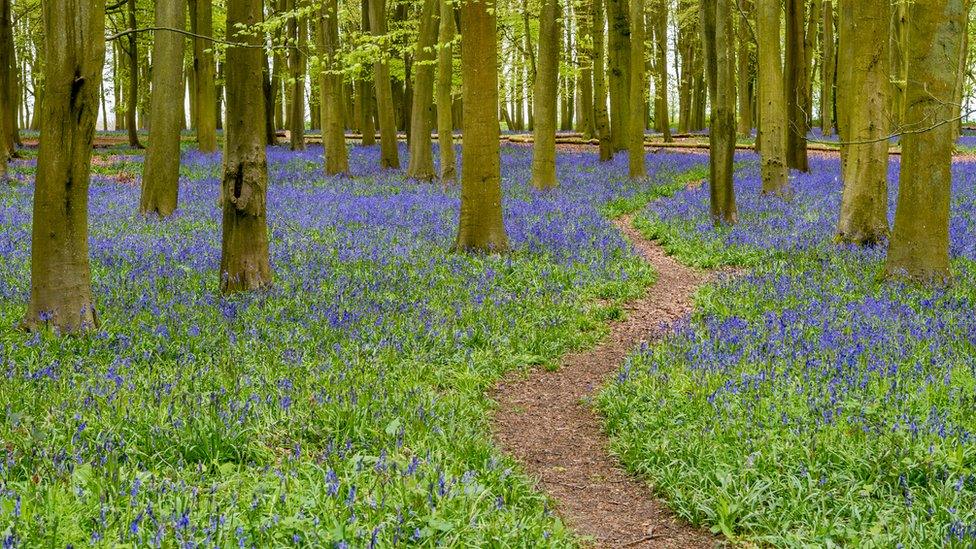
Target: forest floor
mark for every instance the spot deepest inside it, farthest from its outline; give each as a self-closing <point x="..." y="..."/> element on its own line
<point x="547" y="420"/>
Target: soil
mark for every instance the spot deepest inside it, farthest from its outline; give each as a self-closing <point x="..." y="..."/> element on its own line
<point x="547" y="421"/>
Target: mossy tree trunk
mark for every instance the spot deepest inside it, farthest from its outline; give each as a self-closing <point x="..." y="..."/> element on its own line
<point x="717" y="41"/>
<point x="480" y="226"/>
<point x="330" y="90"/>
<point x="661" y="51"/>
<point x="828" y="60"/>
<point x="74" y="43"/>
<point x="161" y="171"/>
<point x="9" y="89"/>
<point x="244" y="261"/>
<point x="206" y="91"/>
<point x="544" y="146"/>
<point x="919" y="248"/>
<point x="297" y="41"/>
<point x="421" y="164"/>
<point x="600" y="117"/>
<point x="771" y="98"/>
<point x="744" y="70"/>
<point x="367" y="125"/>
<point x="389" y="156"/>
<point x="796" y="86"/>
<point x="864" y="204"/>
<point x="619" y="44"/>
<point x="132" y="97"/>
<point x="445" y="81"/>
<point x="635" y="133"/>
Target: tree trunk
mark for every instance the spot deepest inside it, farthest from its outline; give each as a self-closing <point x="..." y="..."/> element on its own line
<point x="203" y="67"/>
<point x="161" y="174"/>
<point x="61" y="296"/>
<point x="421" y="164"/>
<point x="661" y="39"/>
<point x="530" y="54"/>
<point x="919" y="247"/>
<point x="244" y="261"/>
<point x="796" y="87"/>
<point x="389" y="156"/>
<point x="546" y="80"/>
<point x="480" y="226"/>
<point x="367" y="125"/>
<point x="330" y="88"/>
<point x="635" y="151"/>
<point x="599" y="83"/>
<point x="844" y="75"/>
<point x="829" y="64"/>
<point x="772" y="111"/>
<point x="278" y="69"/>
<point x="744" y="70"/>
<point x="10" y="90"/>
<point x="620" y="45"/>
<point x="445" y="78"/>
<point x="132" y="101"/>
<point x="297" y="33"/>
<point x="864" y="205"/>
<point x="717" y="42"/>
<point x="585" y="52"/>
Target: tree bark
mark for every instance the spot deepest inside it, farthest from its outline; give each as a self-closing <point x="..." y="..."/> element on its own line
<point x="421" y="164"/>
<point x="161" y="174"/>
<point x="203" y="67"/>
<point x="796" y="87"/>
<point x="661" y="48"/>
<point x="585" y="53"/>
<point x="61" y="296"/>
<point x="330" y="88"/>
<point x="717" y="41"/>
<point x="635" y="152"/>
<point x="445" y="79"/>
<point x="389" y="156"/>
<point x="297" y="33"/>
<point x="480" y="226"/>
<point x="132" y="100"/>
<point x="864" y="204"/>
<point x="620" y="45"/>
<point x="829" y="64"/>
<point x="244" y="261"/>
<point x="744" y="69"/>
<point x="919" y="247"/>
<point x="544" y="146"/>
<point x="600" y="117"/>
<point x="10" y="91"/>
<point x="771" y="95"/>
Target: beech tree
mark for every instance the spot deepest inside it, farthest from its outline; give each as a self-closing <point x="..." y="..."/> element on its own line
<point x="445" y="82"/>
<point x="544" y="146"/>
<point x="205" y="89"/>
<point x="74" y="52"/>
<point x="772" y="111"/>
<point x="421" y="164"/>
<point x="618" y="22"/>
<point x="636" y="128"/>
<point x="718" y="39"/>
<point x="244" y="259"/>
<point x="796" y="86"/>
<point x="389" y="156"/>
<point x="161" y="172"/>
<point x="330" y="88"/>
<point x="919" y="248"/>
<point x="600" y="116"/>
<point x="480" y="226"/>
<point x="864" y="205"/>
<point x="297" y="66"/>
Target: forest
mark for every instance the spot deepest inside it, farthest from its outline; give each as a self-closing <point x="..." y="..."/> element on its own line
<point x="487" y="273"/>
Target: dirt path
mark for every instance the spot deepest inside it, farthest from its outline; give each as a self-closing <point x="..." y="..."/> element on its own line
<point x="546" y="421"/>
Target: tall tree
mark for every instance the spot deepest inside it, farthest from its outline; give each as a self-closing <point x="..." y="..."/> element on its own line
<point x="796" y="86"/>
<point x="203" y="68"/>
<point x="600" y="116"/>
<point x="718" y="39"/>
<point x="10" y="91"/>
<point x="618" y="21"/>
<point x="367" y="126"/>
<point x="132" y="98"/>
<point x="661" y="51"/>
<point x="919" y="247"/>
<point x="244" y="259"/>
<point x="480" y="226"/>
<point x="828" y="60"/>
<point x="389" y="156"/>
<point x="544" y="146"/>
<point x="744" y="78"/>
<point x="864" y="205"/>
<point x="330" y="88"/>
<point x="297" y="66"/>
<point x="445" y="81"/>
<point x="637" y="91"/>
<point x="771" y="97"/>
<point x="74" y="43"/>
<point x="421" y="164"/>
<point x="161" y="172"/>
<point x="899" y="58"/>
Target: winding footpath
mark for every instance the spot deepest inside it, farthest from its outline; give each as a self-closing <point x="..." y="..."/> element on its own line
<point x="546" y="420"/>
